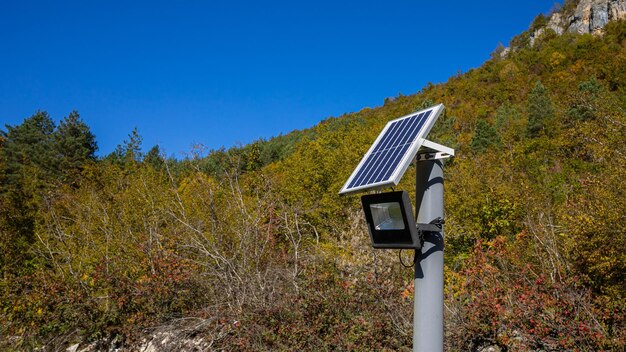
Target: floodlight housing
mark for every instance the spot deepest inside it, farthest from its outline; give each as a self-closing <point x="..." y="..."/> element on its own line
<point x="390" y="220"/>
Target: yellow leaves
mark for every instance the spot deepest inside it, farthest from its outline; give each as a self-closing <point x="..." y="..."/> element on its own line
<point x="556" y="59"/>
<point x="465" y="138"/>
<point x="577" y="68"/>
<point x="563" y="76"/>
<point x="508" y="71"/>
<point x="196" y="182"/>
<point x="453" y="283"/>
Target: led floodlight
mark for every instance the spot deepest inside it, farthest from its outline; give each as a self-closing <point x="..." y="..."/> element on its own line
<point x="390" y="220"/>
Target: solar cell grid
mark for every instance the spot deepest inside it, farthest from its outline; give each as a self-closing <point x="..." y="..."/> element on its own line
<point x="388" y="152"/>
<point x="388" y="155"/>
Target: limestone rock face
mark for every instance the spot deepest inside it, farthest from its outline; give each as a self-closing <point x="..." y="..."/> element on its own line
<point x="556" y="23"/>
<point x="591" y="16"/>
<point x="617" y="10"/>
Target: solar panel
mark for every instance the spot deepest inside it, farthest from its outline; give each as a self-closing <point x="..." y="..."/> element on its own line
<point x="391" y="154"/>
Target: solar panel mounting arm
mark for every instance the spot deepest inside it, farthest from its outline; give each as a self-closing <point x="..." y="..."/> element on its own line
<point x="431" y="150"/>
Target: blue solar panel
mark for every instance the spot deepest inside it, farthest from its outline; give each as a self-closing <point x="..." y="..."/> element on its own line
<point x="392" y="152"/>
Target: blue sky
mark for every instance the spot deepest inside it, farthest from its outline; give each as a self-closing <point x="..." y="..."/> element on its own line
<point x="220" y="73"/>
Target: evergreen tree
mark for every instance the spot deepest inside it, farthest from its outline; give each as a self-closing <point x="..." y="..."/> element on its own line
<point x="485" y="136"/>
<point x="28" y="165"/>
<point x="28" y="148"/>
<point x="540" y="111"/>
<point x="426" y="103"/>
<point x="585" y="103"/>
<point x="154" y="158"/>
<point x="75" y="145"/>
<point x="133" y="146"/>
<point x="509" y="124"/>
<point x="505" y="115"/>
<point x="129" y="151"/>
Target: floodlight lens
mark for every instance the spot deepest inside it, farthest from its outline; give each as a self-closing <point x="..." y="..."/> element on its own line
<point x="387" y="216"/>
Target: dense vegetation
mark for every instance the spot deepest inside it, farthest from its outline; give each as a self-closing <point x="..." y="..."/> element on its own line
<point x="252" y="249"/>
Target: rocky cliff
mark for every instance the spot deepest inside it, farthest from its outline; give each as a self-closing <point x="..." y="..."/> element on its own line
<point x="589" y="16"/>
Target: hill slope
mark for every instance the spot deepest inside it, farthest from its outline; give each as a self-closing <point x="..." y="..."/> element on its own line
<point x="253" y="249"/>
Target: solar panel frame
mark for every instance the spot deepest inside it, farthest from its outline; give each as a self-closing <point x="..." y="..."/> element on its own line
<point x="406" y="156"/>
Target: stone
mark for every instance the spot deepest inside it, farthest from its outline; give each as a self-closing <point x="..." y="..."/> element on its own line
<point x="505" y="52"/>
<point x="556" y="23"/>
<point x="591" y="16"/>
<point x="73" y="348"/>
<point x="536" y="34"/>
<point x="617" y="10"/>
<point x="599" y="16"/>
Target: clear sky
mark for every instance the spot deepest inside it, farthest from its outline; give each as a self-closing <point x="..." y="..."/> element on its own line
<point x="220" y="73"/>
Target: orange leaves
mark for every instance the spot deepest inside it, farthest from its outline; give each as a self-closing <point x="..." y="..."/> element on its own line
<point x="408" y="292"/>
<point x="508" y="299"/>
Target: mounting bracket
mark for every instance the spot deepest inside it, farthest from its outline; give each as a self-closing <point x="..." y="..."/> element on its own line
<point x="431" y="150"/>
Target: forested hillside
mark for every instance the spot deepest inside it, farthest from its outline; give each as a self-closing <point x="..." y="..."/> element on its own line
<point x="251" y="248"/>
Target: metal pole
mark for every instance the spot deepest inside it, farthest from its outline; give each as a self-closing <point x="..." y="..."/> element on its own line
<point x="428" y="305"/>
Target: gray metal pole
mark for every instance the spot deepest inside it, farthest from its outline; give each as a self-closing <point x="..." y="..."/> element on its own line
<point x="428" y="305"/>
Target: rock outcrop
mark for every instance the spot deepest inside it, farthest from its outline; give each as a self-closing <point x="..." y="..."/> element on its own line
<point x="590" y="16"/>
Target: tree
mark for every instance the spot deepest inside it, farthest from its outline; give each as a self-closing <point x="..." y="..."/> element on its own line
<point x="252" y="155"/>
<point x="539" y="22"/>
<point x="133" y="146"/>
<point x="129" y="151"/>
<point x="485" y="137"/>
<point x="29" y="145"/>
<point x="509" y="124"/>
<point x="75" y="145"/>
<point x="497" y="53"/>
<point x="505" y="115"/>
<point x="540" y="111"/>
<point x="153" y="157"/>
<point x="28" y="166"/>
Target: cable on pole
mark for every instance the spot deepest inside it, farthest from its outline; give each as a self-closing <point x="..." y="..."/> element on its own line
<point x="402" y="261"/>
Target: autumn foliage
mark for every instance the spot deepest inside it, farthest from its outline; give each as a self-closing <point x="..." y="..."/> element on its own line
<point x="251" y="248"/>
